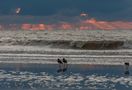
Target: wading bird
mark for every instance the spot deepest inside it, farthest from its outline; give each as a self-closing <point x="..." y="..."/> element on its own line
<point x="64" y="61"/>
<point x="62" y="65"/>
<point x="126" y="68"/>
<point x="127" y="63"/>
<point x="59" y="61"/>
<point x="65" y="64"/>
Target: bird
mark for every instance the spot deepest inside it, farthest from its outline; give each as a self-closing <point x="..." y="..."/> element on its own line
<point x="59" y="61"/>
<point x="65" y="64"/>
<point x="126" y="68"/>
<point x="127" y="63"/>
<point x="62" y="65"/>
<point x="64" y="60"/>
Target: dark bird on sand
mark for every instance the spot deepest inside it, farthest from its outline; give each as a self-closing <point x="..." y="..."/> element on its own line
<point x="64" y="60"/>
<point x="62" y="65"/>
<point x="127" y="63"/>
<point x="59" y="61"/>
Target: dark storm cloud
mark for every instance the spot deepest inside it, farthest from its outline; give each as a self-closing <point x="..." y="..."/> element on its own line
<point x="104" y="9"/>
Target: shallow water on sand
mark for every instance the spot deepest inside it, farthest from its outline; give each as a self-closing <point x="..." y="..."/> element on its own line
<point x="47" y="77"/>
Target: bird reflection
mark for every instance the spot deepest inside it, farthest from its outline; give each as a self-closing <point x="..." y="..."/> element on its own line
<point x="62" y="65"/>
<point x="65" y="69"/>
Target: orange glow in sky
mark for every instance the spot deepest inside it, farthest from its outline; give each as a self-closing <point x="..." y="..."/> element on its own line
<point x="88" y="24"/>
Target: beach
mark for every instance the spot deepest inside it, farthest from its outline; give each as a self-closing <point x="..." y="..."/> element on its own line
<point x="112" y="47"/>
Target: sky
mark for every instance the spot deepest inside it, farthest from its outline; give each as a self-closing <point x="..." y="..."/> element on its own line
<point x="100" y="9"/>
